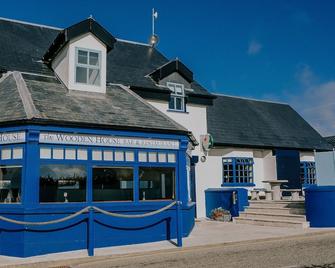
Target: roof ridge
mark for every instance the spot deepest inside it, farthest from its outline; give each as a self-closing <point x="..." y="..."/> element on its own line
<point x="28" y="104"/>
<point x="150" y="106"/>
<point x="247" y="98"/>
<point x="132" y="42"/>
<point x="31" y="23"/>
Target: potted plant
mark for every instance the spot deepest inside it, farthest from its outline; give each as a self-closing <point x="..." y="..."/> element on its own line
<point x="220" y="214"/>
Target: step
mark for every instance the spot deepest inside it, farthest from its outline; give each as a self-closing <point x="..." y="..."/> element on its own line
<point x="270" y="216"/>
<point x="278" y="204"/>
<point x="274" y="223"/>
<point x="276" y="210"/>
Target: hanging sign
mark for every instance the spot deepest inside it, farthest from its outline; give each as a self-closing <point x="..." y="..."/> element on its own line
<point x="207" y="142"/>
<point x="102" y="140"/>
<point x="12" y="137"/>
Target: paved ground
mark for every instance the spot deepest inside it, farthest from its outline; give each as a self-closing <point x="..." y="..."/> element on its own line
<point x="211" y="243"/>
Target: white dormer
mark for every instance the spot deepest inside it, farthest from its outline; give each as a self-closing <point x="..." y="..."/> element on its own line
<point x="78" y="56"/>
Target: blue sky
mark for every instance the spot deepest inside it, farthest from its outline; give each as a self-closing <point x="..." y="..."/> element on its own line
<point x="275" y="50"/>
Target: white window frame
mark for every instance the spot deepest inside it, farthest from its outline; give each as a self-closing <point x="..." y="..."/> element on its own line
<point x="87" y="66"/>
<point x="175" y="95"/>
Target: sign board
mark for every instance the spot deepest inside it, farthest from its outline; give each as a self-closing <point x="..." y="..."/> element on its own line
<point x="12" y="137"/>
<point x="325" y="168"/>
<point x="207" y="142"/>
<point x="104" y="140"/>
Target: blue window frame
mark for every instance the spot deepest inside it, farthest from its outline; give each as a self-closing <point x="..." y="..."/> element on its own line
<point x="111" y="174"/>
<point x="238" y="171"/>
<point x="307" y="172"/>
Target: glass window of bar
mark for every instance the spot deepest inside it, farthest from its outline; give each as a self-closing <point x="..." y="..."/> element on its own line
<point x="238" y="170"/>
<point x="10" y="184"/>
<point x="88" y="67"/>
<point x="62" y="183"/>
<point x="307" y="172"/>
<point x="113" y="184"/>
<point x="156" y="183"/>
<point x="177" y="97"/>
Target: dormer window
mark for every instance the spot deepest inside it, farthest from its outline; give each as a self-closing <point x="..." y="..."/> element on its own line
<point x="88" y="67"/>
<point x="177" y="97"/>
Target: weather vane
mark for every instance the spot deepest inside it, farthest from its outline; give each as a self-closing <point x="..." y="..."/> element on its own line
<point x="154" y="38"/>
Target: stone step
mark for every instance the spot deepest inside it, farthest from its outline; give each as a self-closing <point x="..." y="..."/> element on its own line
<point x="274" y="223"/>
<point x="277" y="210"/>
<point x="278" y="204"/>
<point x="270" y="216"/>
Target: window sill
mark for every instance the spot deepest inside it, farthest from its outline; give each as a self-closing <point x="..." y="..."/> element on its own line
<point x="238" y="185"/>
<point x="177" y="111"/>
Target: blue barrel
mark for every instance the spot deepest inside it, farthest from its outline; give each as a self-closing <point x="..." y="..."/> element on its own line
<point x="320" y="205"/>
<point x="224" y="197"/>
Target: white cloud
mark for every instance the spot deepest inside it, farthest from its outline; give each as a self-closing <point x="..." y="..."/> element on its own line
<point x="315" y="101"/>
<point x="254" y="48"/>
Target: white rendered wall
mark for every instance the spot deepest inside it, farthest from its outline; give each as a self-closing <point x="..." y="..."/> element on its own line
<point x="209" y="173"/>
<point x="307" y="156"/>
<point x="64" y="63"/>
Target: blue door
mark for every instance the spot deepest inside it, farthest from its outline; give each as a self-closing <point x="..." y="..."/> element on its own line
<point x="288" y="168"/>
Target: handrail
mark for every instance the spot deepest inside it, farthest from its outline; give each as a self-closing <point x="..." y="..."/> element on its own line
<point x="86" y="209"/>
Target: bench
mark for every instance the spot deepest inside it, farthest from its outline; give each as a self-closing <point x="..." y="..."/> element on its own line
<point x="255" y="193"/>
<point x="295" y="193"/>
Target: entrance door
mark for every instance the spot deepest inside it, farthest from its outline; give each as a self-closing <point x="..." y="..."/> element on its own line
<point x="288" y="168"/>
<point x="194" y="161"/>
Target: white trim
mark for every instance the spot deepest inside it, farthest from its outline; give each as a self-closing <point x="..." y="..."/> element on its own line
<point x="246" y="98"/>
<point x="30" y="23"/>
<point x="133" y="42"/>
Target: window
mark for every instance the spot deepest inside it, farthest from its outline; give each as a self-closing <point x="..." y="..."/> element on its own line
<point x="10" y="184"/>
<point x="113" y="184"/>
<point x="88" y="67"/>
<point x="238" y="170"/>
<point x="62" y="183"/>
<point x="307" y="172"/>
<point x="177" y="98"/>
<point x="156" y="183"/>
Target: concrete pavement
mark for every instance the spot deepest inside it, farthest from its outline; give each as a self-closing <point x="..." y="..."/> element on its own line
<point x="205" y="233"/>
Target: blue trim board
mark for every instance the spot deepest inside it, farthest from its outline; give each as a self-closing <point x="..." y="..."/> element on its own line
<point x="24" y="241"/>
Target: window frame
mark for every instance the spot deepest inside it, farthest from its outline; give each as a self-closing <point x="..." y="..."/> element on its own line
<point x="87" y="66"/>
<point x="90" y="164"/>
<point x="173" y="95"/>
<point x="305" y="177"/>
<point x="235" y="178"/>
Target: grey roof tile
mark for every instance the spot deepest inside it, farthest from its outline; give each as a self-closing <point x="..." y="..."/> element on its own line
<point x="23" y="47"/>
<point x="245" y="122"/>
<point x="118" y="108"/>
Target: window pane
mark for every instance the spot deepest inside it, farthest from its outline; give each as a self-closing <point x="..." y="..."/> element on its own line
<point x="156" y="183"/>
<point x="179" y="104"/>
<point x="94" y="59"/>
<point x="81" y="75"/>
<point x="10" y="184"/>
<point x="62" y="183"/>
<point x="171" y="103"/>
<point x="82" y="56"/>
<point x="179" y="90"/>
<point x="94" y="77"/>
<point x="112" y="184"/>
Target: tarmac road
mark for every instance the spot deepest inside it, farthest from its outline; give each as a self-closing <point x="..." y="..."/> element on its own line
<point x="300" y="251"/>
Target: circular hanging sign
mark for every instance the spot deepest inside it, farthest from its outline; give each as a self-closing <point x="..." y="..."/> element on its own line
<point x="207" y="142"/>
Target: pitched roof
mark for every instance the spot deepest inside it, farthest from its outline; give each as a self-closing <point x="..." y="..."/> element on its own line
<point x="246" y="122"/>
<point x="86" y="26"/>
<point x="330" y="140"/>
<point x="43" y="99"/>
<point x="171" y="67"/>
<point x="23" y="46"/>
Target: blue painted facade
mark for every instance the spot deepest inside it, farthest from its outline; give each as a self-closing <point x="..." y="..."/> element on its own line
<point x="78" y="233"/>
